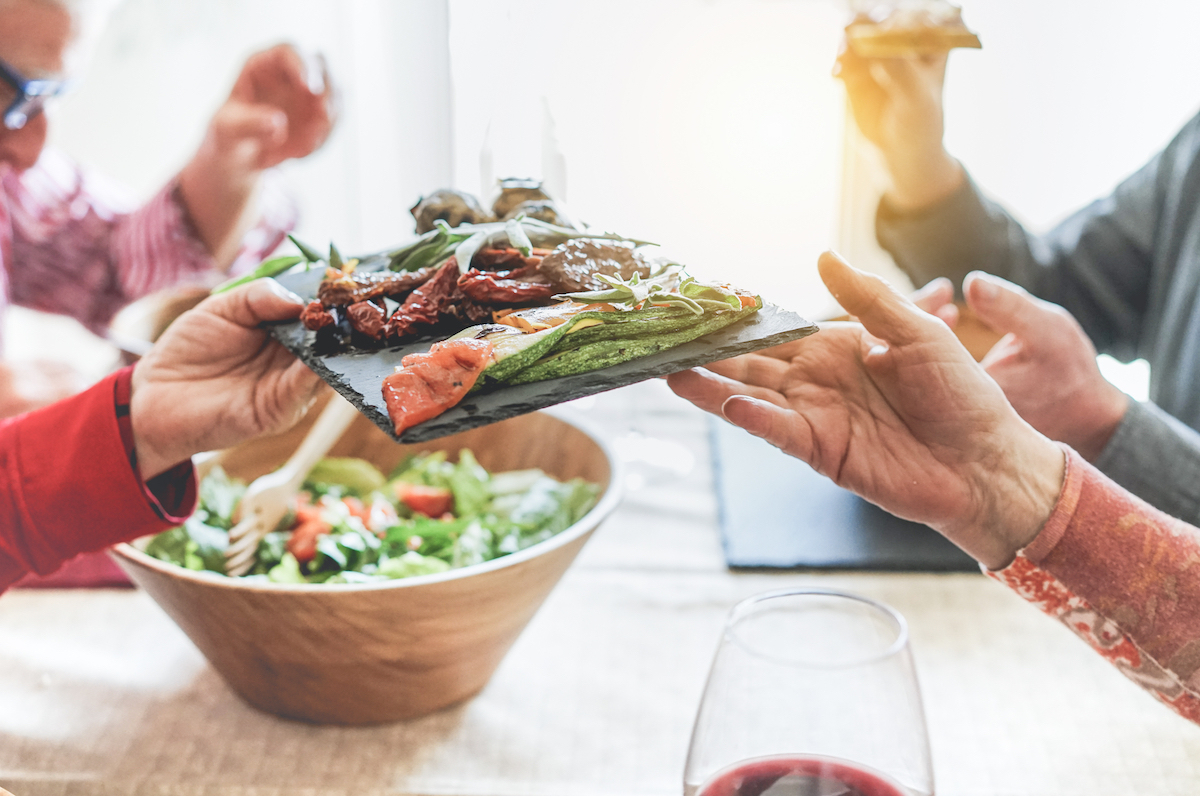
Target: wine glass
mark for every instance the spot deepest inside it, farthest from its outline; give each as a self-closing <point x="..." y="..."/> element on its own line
<point x="812" y="693"/>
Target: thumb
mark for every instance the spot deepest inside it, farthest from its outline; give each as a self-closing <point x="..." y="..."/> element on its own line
<point x="880" y="308"/>
<point x="258" y="302"/>
<point x="1004" y="307"/>
<point x="237" y="121"/>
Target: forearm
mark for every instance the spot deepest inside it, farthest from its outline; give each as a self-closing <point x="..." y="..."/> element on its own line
<point x="922" y="179"/>
<point x="68" y="485"/>
<point x="220" y="199"/>
<point x="962" y="232"/>
<point x="1118" y="573"/>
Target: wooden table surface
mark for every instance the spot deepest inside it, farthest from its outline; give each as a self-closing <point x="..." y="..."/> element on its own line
<point x="101" y="694"/>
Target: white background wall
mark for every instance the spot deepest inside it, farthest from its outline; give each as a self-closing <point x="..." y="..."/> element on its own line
<point x="160" y="69"/>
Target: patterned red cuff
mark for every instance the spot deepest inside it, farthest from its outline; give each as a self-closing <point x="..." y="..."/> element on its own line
<point x="171" y="494"/>
<point x="1113" y="570"/>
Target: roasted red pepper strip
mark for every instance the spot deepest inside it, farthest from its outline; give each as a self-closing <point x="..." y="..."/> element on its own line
<point x="425" y="385"/>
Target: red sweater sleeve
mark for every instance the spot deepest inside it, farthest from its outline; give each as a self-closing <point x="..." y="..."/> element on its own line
<point x="68" y="483"/>
<point x="1124" y="577"/>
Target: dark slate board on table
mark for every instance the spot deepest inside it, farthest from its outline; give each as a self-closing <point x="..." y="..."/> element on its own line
<point x="777" y="513"/>
<point x="359" y="375"/>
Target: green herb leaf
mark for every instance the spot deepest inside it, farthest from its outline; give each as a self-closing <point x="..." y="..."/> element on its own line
<point x="410" y="565"/>
<point x="269" y="268"/>
<point x="517" y="237"/>
<point x="310" y="254"/>
<point x="219" y="497"/>
<point x="660" y="288"/>
<point x="287" y="571"/>
<point x="358" y="477"/>
<point x="469" y="483"/>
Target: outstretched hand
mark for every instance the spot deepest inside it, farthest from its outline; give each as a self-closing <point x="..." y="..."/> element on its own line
<point x="896" y="410"/>
<point x="1046" y="365"/>
<point x="215" y="378"/>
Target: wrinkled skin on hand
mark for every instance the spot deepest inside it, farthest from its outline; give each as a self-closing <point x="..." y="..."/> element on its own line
<point x="896" y="410"/>
<point x="216" y="379"/>
<point x="1045" y="362"/>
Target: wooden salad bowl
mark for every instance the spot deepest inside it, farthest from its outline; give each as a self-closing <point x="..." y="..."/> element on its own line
<point x="379" y="652"/>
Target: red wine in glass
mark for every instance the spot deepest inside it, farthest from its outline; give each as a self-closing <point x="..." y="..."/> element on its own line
<point x="812" y="692"/>
<point x="800" y="776"/>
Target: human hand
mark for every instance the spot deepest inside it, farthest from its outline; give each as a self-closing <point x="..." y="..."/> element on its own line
<point x="1046" y="365"/>
<point x="281" y="107"/>
<point x="215" y="378"/>
<point x="937" y="298"/>
<point x="896" y="410"/>
<point x="897" y="104"/>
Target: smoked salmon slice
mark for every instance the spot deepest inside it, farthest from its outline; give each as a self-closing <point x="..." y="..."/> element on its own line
<point x="425" y="385"/>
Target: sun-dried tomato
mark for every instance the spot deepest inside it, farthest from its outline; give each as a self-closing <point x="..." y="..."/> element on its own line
<point x="425" y="305"/>
<point x="489" y="288"/>
<point x="366" y="318"/>
<point x="315" y="317"/>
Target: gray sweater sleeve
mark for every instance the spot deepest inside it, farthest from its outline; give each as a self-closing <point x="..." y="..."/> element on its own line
<point x="1106" y="264"/>
<point x="1098" y="263"/>
<point x="1157" y="458"/>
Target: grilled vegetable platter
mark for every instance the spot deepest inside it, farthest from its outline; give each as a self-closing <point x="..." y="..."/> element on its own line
<point x="474" y="324"/>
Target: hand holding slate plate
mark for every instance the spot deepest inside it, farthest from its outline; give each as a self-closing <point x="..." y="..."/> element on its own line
<point x="358" y="374"/>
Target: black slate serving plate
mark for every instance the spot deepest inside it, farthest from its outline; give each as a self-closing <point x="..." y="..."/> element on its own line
<point x="358" y="374"/>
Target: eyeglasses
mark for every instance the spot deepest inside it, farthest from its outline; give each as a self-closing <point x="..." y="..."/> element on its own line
<point x="31" y="96"/>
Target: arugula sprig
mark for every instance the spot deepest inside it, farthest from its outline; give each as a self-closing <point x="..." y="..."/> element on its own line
<point x="520" y="233"/>
<point x="431" y="248"/>
<point x="278" y="265"/>
<point x="665" y="287"/>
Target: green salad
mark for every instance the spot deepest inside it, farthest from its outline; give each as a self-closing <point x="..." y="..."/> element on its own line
<point x="353" y="524"/>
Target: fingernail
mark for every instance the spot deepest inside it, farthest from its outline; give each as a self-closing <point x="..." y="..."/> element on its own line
<point x="283" y="292"/>
<point x="985" y="288"/>
<point x="745" y="412"/>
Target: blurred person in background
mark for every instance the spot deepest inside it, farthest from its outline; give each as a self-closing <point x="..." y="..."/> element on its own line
<point x="895" y="409"/>
<point x="1123" y="272"/>
<point x="70" y="245"/>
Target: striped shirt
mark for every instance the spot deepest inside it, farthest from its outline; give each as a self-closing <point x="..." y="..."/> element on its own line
<point x="73" y="244"/>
